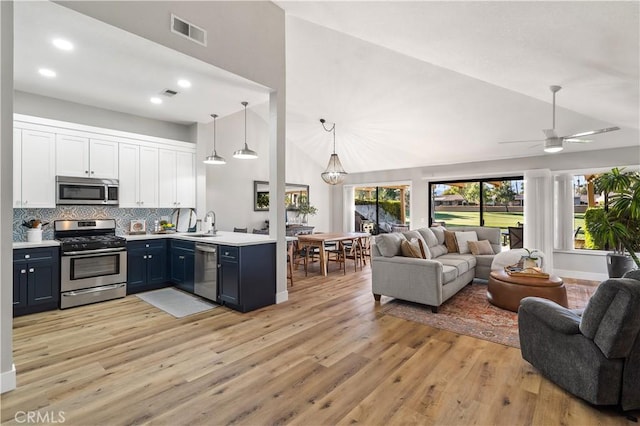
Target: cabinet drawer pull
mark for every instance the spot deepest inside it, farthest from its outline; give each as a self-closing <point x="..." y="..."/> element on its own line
<point x="181" y="257"/>
<point x="23" y="271"/>
<point x="146" y="245"/>
<point x="150" y="256"/>
<point x="31" y="270"/>
<point x="27" y="256"/>
<point x="144" y="257"/>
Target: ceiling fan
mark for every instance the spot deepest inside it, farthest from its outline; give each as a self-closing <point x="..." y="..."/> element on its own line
<point x="553" y="142"/>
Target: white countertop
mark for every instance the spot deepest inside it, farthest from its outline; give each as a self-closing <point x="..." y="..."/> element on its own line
<point x="221" y="237"/>
<point x="43" y="243"/>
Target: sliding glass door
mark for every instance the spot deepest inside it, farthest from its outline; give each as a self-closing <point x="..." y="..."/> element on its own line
<point x="381" y="209"/>
<point x="492" y="202"/>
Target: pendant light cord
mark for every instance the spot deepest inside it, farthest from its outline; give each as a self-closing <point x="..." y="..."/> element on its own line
<point x="332" y="130"/>
<point x="245" y="125"/>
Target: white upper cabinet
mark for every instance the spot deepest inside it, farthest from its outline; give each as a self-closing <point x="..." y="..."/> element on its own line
<point x="138" y="176"/>
<point x="84" y="157"/>
<point x="34" y="173"/>
<point x="177" y="179"/>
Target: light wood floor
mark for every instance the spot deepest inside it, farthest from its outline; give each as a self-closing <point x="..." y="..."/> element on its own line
<point x="327" y="356"/>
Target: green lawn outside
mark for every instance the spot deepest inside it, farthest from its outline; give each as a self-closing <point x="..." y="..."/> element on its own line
<point x="500" y="220"/>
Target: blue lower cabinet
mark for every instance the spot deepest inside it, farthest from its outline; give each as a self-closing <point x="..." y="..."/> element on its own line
<point x="36" y="280"/>
<point x="146" y="265"/>
<point x="247" y="276"/>
<point x="182" y="264"/>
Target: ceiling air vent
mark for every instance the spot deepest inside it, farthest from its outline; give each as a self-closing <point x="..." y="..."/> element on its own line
<point x="188" y="30"/>
<point x="168" y="92"/>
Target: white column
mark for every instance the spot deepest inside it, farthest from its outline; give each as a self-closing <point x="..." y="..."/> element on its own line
<point x="277" y="211"/>
<point x="7" y="369"/>
<point x="563" y="209"/>
<point x="538" y="213"/>
<point x="349" y="217"/>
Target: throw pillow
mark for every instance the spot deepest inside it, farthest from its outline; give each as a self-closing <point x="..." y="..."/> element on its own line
<point x="389" y="244"/>
<point x="410" y="235"/>
<point x="480" y="247"/>
<point x="450" y="241"/>
<point x="463" y="239"/>
<point x="412" y="248"/>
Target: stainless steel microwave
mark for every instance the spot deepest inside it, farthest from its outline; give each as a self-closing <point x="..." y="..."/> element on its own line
<point x="78" y="190"/>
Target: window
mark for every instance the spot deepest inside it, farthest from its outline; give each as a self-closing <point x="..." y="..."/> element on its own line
<point x="494" y="202"/>
<point x="380" y="209"/>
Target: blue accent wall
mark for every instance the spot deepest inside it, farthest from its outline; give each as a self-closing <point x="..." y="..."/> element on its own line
<point x="123" y="217"/>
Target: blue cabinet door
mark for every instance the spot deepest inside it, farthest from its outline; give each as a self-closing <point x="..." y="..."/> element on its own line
<point x="19" y="285"/>
<point x="36" y="280"/>
<point x="229" y="275"/>
<point x="157" y="265"/>
<point x="43" y="282"/>
<point x="136" y="268"/>
<point x="146" y="265"/>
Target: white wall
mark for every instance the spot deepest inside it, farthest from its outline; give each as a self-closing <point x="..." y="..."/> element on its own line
<point x="588" y="265"/>
<point x="229" y="187"/>
<point x="58" y="109"/>
<point x="7" y="372"/>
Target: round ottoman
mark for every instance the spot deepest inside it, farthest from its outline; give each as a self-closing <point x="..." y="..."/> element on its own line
<point x="506" y="291"/>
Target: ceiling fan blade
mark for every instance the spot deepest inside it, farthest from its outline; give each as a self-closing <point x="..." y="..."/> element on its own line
<point x="592" y="132"/>
<point x="574" y="140"/>
<point x="533" y="140"/>
<point x="550" y="133"/>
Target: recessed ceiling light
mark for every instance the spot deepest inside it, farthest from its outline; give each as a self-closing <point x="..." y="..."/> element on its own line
<point x="45" y="72"/>
<point x="184" y="83"/>
<point x="155" y="100"/>
<point x="62" y="44"/>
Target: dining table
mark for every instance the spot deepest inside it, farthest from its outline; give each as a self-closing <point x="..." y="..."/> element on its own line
<point x="320" y="241"/>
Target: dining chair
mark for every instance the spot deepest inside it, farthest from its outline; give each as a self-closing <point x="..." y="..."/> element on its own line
<point x="365" y="247"/>
<point x="290" y="260"/>
<point x="335" y="253"/>
<point x="352" y="250"/>
<point x="515" y="237"/>
<point x="244" y="230"/>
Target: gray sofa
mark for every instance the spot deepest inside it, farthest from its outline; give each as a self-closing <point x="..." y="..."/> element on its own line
<point x="429" y="281"/>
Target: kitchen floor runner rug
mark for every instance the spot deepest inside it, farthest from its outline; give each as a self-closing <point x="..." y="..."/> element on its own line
<point x="175" y="302"/>
<point x="470" y="313"/>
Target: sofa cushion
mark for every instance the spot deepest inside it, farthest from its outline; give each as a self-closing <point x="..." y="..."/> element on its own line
<point x="389" y="244"/>
<point x="480" y="247"/>
<point x="413" y="248"/>
<point x="438" y="231"/>
<point x="463" y="238"/>
<point x="428" y="236"/>
<point x="450" y="241"/>
<point x="415" y="234"/>
<point x="484" y="260"/>
<point x="461" y="263"/>
<point x="449" y="273"/>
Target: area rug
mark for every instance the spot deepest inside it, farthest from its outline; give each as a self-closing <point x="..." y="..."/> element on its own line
<point x="469" y="313"/>
<point x="175" y="302"/>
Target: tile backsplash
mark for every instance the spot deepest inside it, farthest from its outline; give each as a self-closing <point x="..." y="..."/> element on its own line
<point x="122" y="216"/>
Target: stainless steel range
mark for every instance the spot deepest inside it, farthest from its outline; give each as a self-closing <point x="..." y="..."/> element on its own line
<point x="93" y="264"/>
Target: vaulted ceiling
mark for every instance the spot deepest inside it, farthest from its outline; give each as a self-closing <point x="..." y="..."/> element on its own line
<point x="407" y="83"/>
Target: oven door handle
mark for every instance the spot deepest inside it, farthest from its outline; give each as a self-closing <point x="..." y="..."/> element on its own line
<point x="97" y="251"/>
<point x="92" y="290"/>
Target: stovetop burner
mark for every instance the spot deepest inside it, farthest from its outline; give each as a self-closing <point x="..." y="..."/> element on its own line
<point x="80" y="235"/>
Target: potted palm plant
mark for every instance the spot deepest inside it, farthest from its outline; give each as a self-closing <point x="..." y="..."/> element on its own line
<point x="617" y="226"/>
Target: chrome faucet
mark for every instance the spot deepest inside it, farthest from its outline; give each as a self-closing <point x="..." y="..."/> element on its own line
<point x="211" y="214"/>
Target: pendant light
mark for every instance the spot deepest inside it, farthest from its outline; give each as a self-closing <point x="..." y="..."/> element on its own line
<point x="214" y="158"/>
<point x="334" y="174"/>
<point x="245" y="153"/>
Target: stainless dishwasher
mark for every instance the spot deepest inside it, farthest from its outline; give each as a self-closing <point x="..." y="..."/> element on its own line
<point x="206" y="271"/>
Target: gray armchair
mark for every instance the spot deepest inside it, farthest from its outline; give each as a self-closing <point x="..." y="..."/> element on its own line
<point x="595" y="354"/>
